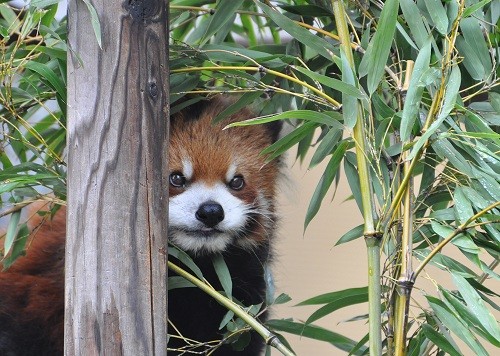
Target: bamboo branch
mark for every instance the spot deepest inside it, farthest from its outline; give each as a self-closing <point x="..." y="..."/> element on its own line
<point x="450" y="237"/>
<point x="262" y="69"/>
<point x="270" y="338"/>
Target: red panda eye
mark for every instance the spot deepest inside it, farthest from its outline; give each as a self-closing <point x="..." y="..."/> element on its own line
<point x="177" y="179"/>
<point x="237" y="183"/>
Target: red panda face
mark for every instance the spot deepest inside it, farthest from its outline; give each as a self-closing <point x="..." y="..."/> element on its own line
<point x="221" y="189"/>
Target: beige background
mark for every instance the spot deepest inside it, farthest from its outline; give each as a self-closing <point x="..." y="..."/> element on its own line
<point x="308" y="265"/>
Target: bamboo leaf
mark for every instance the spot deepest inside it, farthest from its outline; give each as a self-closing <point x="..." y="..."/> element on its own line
<point x="175" y="282"/>
<point x="469" y="10"/>
<point x="463" y="207"/>
<point x="325" y="182"/>
<point x="375" y="58"/>
<point x="351" y="235"/>
<point x="54" y="80"/>
<point x="450" y="96"/>
<point x="186" y="260"/>
<point x="316" y="333"/>
<point x="413" y="18"/>
<point x="334" y="296"/>
<point x="344" y="87"/>
<point x="326" y="146"/>
<point x="96" y="25"/>
<point x="12" y="230"/>
<point x="437" y="12"/>
<point x="473" y="35"/>
<point x="339" y="303"/>
<point x="415" y="91"/>
<point x="476" y="305"/>
<point x="223" y="12"/>
<point x="439" y="340"/>
<point x="302" y="35"/>
<point x="18" y="249"/>
<point x="331" y="118"/>
<point x="456" y="326"/>
<point x="224" y="275"/>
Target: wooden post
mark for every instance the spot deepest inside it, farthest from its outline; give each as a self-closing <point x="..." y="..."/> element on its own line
<point x="116" y="252"/>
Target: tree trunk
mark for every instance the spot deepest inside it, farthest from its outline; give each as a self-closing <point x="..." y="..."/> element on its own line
<point x="116" y="251"/>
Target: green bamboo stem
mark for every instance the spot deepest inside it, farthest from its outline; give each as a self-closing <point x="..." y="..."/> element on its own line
<point x="404" y="284"/>
<point x="372" y="238"/>
<point x="270" y="338"/>
<point x="450" y="237"/>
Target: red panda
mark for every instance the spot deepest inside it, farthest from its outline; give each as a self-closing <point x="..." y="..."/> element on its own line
<point x="222" y="202"/>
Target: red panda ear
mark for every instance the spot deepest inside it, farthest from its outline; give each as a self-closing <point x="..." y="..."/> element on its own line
<point x="274" y="129"/>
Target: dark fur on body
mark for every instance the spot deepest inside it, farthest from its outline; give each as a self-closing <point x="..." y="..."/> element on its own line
<point x="192" y="310"/>
<point x="32" y="290"/>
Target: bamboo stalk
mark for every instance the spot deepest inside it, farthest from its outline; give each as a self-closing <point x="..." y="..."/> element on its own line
<point x="404" y="284"/>
<point x="270" y="338"/>
<point x="372" y="238"/>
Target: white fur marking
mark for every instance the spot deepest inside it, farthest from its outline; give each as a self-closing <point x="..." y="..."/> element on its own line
<point x="231" y="172"/>
<point x="184" y="226"/>
<point x="187" y="169"/>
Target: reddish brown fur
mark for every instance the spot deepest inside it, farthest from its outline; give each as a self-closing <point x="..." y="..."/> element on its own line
<point x="33" y="288"/>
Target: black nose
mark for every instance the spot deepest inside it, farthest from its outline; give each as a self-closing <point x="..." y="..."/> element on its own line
<point x="210" y="213"/>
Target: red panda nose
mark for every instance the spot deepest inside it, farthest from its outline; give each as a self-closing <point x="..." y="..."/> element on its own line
<point x="210" y="213"/>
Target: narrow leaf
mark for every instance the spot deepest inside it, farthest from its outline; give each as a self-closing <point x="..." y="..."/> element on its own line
<point x="224" y="11"/>
<point x="476" y="305"/>
<point x="438" y="15"/>
<point x="325" y="182"/>
<point x="302" y="35"/>
<point x="12" y="230"/>
<point x="439" y="340"/>
<point x="224" y="275"/>
<point x="375" y="58"/>
<point x="415" y="91"/>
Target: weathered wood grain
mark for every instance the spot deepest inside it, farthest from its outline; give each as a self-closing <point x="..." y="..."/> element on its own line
<point x="116" y="283"/>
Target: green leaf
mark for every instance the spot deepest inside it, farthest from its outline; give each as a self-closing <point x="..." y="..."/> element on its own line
<point x="96" y="25"/>
<point x="413" y="18"/>
<point x="186" y="260"/>
<point x="339" y="303"/>
<point x="437" y="12"/>
<point x="347" y="88"/>
<point x="330" y="118"/>
<point x="12" y="230"/>
<point x="325" y="182"/>
<point x="324" y="48"/>
<point x="473" y="35"/>
<point x="375" y="58"/>
<point x="415" y="91"/>
<point x="54" y="80"/>
<point x="455" y="324"/>
<point x="469" y="10"/>
<point x="326" y="146"/>
<point x="316" y="333"/>
<point x="439" y="340"/>
<point x="18" y="249"/>
<point x="351" y="235"/>
<point x="476" y="305"/>
<point x="333" y="296"/>
<point x="224" y="11"/>
<point x="176" y="282"/>
<point x="224" y="275"/>
<point x="463" y="207"/>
